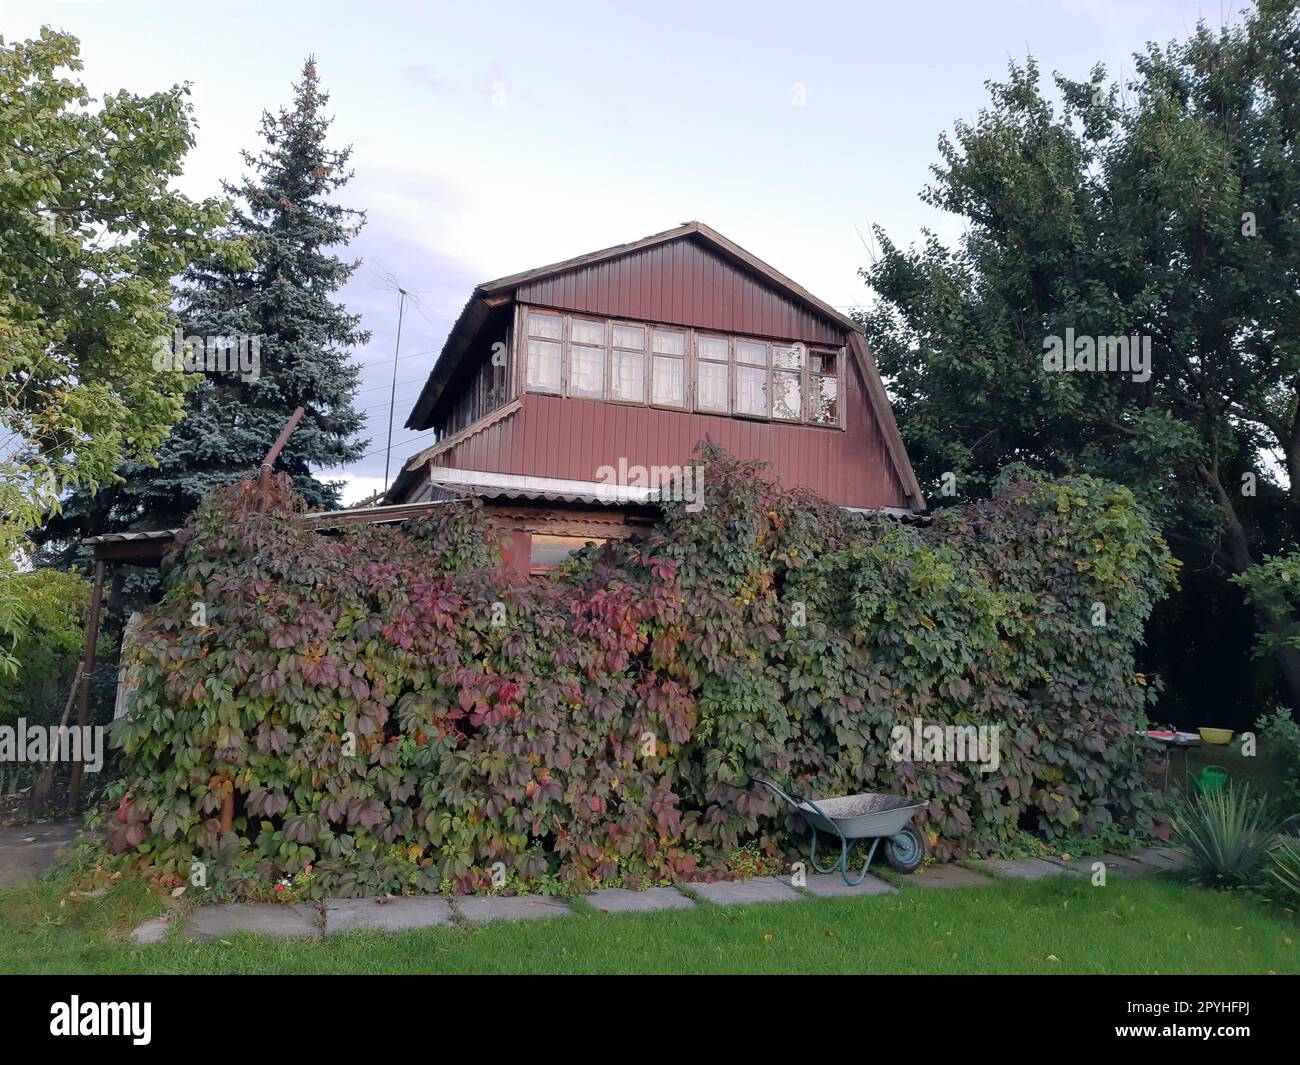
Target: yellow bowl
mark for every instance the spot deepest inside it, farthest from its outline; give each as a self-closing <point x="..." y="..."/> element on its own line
<point x="1216" y="735"/>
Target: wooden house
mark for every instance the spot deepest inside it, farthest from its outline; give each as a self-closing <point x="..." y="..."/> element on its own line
<point x="555" y="382"/>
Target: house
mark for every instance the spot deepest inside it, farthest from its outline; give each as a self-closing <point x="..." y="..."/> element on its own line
<point x="555" y="382"/>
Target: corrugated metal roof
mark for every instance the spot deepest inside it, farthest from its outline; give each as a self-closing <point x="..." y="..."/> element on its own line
<point x="485" y="485"/>
<point x="124" y="537"/>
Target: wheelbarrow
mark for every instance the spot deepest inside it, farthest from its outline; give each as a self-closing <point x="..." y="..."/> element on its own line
<point x="872" y="816"/>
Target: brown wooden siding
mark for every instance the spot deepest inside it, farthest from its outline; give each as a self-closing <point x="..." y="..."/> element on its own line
<point x="572" y="438"/>
<point x="683" y="283"/>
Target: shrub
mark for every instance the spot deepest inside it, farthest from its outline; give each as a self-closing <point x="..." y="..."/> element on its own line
<point x="50" y="635"/>
<point x="1285" y="872"/>
<point x="1281" y="735"/>
<point x="1227" y="836"/>
<point x="390" y="707"/>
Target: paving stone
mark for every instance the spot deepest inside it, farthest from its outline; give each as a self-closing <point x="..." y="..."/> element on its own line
<point x="266" y="918"/>
<point x="152" y="931"/>
<point x="1161" y="857"/>
<point x="832" y="886"/>
<point x="621" y="900"/>
<point x="945" y="876"/>
<point x="393" y="915"/>
<point x="1021" y="868"/>
<point x="481" y="908"/>
<point x="1115" y="863"/>
<point x="738" y="892"/>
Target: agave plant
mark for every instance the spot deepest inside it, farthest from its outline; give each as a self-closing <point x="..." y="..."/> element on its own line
<point x="1285" y="870"/>
<point x="1227" y="836"/>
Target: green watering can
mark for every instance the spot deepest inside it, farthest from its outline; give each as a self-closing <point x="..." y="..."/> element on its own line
<point x="1211" y="778"/>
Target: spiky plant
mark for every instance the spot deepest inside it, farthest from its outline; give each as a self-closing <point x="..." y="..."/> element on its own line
<point x="1227" y="835"/>
<point x="1285" y="870"/>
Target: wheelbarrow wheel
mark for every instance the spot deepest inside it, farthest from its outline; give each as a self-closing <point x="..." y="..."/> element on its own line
<point x="905" y="851"/>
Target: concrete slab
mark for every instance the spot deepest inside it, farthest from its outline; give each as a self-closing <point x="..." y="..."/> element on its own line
<point x="393" y="915"/>
<point x="832" y="886"/>
<point x="946" y="876"/>
<point x="152" y="931"/>
<point x="482" y="908"/>
<point x="264" y="918"/>
<point x="740" y="892"/>
<point x="621" y="900"/>
<point x="26" y="851"/>
<point x="1115" y="865"/>
<point x="1161" y="857"/>
<point x="1020" y="868"/>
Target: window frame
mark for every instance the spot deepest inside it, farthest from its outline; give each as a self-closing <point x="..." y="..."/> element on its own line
<point x="728" y="364"/>
<point x="528" y="337"/>
<point x="684" y="358"/>
<point x="691" y="360"/>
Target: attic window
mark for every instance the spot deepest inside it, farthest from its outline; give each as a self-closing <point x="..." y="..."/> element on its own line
<point x="587" y="359"/>
<point x="676" y="367"/>
<point x="545" y="352"/>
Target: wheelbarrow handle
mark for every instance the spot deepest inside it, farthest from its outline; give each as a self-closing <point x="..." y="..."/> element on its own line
<point x="772" y="787"/>
<point x="801" y="806"/>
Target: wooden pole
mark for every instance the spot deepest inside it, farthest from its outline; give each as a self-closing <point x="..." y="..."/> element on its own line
<point x="87" y="667"/>
<point x="273" y="454"/>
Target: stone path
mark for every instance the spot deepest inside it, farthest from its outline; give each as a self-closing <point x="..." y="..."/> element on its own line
<point x="26" y="851"/>
<point x="1019" y="868"/>
<point x="400" y="914"/>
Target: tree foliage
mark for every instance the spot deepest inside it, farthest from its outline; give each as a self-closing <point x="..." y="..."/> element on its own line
<point x="392" y="710"/>
<point x="1166" y="209"/>
<point x="91" y="236"/>
<point x="284" y="294"/>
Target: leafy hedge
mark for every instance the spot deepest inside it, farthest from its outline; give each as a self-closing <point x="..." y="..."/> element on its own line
<point x="392" y="712"/>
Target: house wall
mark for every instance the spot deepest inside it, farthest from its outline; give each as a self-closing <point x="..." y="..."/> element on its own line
<point x="683" y="283"/>
<point x="571" y="438"/>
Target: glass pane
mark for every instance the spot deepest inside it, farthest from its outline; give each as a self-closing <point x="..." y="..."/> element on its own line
<point x="786" y="391"/>
<point x="713" y="348"/>
<point x="789" y="356"/>
<point x="586" y="371"/>
<point x="585" y="332"/>
<point x="552" y="550"/>
<point x="751" y="390"/>
<point x="711" y="392"/>
<point x="550" y="326"/>
<point x="748" y="351"/>
<point x="629" y="336"/>
<point x="823" y="403"/>
<point x="669" y="343"/>
<point x="670" y="381"/>
<point x="628" y="378"/>
<point x="544" y="365"/>
<point x="822" y="361"/>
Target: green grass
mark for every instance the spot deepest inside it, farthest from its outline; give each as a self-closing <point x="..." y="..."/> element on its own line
<point x="1149" y="925"/>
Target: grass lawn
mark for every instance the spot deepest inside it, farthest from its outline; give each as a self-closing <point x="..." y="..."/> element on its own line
<point x="1148" y="925"/>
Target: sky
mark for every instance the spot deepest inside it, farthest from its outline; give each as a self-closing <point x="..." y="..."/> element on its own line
<point x="490" y="138"/>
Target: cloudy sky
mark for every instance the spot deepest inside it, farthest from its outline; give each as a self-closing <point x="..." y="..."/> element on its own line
<point x="493" y="137"/>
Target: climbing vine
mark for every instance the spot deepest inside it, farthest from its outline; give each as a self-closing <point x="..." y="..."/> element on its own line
<point x="389" y="710"/>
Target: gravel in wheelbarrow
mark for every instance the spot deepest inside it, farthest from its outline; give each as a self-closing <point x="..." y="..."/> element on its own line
<point x="860" y="816"/>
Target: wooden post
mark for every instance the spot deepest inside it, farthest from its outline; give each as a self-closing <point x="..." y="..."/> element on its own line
<point x="87" y="666"/>
<point x="264" y="480"/>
